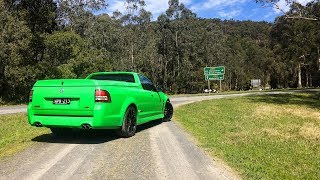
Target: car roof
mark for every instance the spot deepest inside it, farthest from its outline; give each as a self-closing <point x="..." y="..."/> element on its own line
<point x="113" y="72"/>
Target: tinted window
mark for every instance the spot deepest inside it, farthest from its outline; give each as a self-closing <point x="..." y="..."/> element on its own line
<point x="114" y="77"/>
<point x="146" y="83"/>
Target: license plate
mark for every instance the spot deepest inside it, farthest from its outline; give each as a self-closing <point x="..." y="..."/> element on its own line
<point x="61" y="101"/>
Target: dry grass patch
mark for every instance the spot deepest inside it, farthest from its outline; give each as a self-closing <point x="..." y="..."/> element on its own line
<point x="237" y="137"/>
<point x="310" y="131"/>
<point x="277" y="133"/>
<point x="274" y="111"/>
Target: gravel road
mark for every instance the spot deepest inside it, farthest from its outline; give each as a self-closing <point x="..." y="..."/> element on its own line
<point x="13" y="109"/>
<point x="157" y="151"/>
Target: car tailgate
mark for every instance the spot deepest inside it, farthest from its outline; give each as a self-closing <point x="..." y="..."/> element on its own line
<point x="80" y="93"/>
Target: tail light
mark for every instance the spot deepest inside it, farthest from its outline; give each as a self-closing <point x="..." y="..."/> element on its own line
<point x="30" y="96"/>
<point x="102" y="96"/>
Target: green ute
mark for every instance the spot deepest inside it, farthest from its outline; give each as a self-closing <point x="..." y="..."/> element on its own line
<point x="104" y="100"/>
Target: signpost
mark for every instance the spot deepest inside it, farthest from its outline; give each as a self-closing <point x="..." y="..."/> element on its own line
<point x="214" y="77"/>
<point x="214" y="70"/>
<point x="214" y="73"/>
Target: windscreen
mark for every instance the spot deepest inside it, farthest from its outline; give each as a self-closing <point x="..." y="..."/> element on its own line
<point x="114" y="77"/>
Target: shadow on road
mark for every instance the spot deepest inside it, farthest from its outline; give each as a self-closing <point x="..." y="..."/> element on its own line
<point x="94" y="136"/>
<point x="149" y="125"/>
<point x="309" y="99"/>
<point x="79" y="137"/>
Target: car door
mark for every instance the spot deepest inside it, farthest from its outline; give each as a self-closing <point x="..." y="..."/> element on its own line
<point x="151" y="96"/>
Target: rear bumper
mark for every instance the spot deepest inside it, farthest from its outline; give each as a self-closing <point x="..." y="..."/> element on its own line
<point x="97" y="120"/>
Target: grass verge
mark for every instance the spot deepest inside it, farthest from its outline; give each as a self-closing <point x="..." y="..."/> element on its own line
<point x="16" y="133"/>
<point x="244" y="92"/>
<point x="262" y="137"/>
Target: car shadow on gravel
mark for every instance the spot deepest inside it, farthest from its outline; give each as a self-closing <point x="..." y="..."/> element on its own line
<point x="149" y="125"/>
<point x="90" y="136"/>
<point x="79" y="137"/>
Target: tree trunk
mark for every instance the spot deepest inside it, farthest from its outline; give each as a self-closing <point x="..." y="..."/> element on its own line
<point x="177" y="49"/>
<point x="307" y="77"/>
<point x="165" y="64"/>
<point x="310" y="80"/>
<point x="236" y="85"/>
<point x="299" y="76"/>
<point x="132" y="58"/>
<point x="229" y="79"/>
<point x="318" y="59"/>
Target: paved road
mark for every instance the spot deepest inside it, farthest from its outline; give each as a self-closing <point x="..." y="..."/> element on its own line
<point x="13" y="109"/>
<point x="157" y="151"/>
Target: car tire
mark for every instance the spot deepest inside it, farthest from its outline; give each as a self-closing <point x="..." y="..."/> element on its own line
<point x="59" y="132"/>
<point x="168" y="112"/>
<point x="129" y="125"/>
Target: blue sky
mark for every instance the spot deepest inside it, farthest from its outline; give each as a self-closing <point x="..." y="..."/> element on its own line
<point x="223" y="9"/>
<point x="234" y="9"/>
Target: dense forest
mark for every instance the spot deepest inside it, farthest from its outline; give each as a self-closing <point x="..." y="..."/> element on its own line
<point x="44" y="39"/>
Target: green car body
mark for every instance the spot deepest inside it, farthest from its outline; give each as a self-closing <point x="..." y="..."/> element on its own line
<point x="73" y="103"/>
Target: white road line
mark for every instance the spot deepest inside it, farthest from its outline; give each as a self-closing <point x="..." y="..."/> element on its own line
<point x="40" y="171"/>
<point x="168" y="153"/>
<point x="71" y="169"/>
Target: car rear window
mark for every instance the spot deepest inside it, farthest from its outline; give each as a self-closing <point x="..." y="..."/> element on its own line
<point x="114" y="77"/>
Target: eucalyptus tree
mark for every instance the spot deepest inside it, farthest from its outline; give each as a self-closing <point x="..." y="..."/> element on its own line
<point x="134" y="19"/>
<point x="299" y="12"/>
<point x="108" y="36"/>
<point x="77" y="13"/>
<point x="172" y="27"/>
<point x="40" y="17"/>
<point x="297" y="42"/>
<point x="16" y="68"/>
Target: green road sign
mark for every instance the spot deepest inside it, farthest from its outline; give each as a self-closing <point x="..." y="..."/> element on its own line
<point x="214" y="70"/>
<point x="214" y="77"/>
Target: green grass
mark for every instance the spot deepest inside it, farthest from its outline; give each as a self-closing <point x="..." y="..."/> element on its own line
<point x="241" y="92"/>
<point x="262" y="137"/>
<point x="16" y="134"/>
<point x="220" y="93"/>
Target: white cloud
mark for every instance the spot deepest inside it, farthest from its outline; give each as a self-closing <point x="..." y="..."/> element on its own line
<point x="214" y="4"/>
<point x="229" y="14"/>
<point x="284" y="6"/>
<point x="268" y="15"/>
<point x="116" y="5"/>
<point x="156" y="7"/>
<point x="159" y="6"/>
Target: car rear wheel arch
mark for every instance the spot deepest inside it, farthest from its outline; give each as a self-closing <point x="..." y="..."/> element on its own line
<point x="133" y="105"/>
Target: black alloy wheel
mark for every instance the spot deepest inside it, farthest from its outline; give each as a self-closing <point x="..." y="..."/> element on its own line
<point x="168" y="111"/>
<point x="129" y="124"/>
